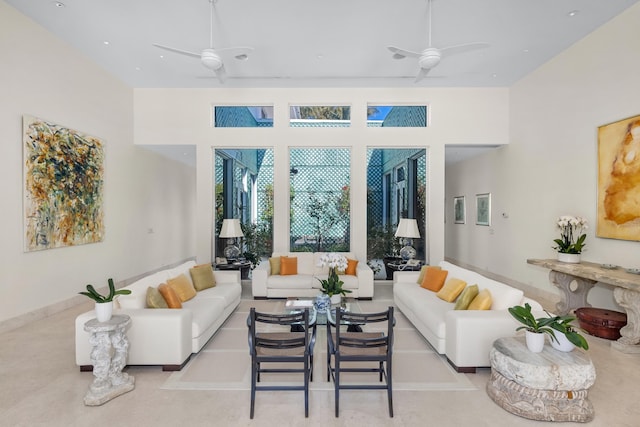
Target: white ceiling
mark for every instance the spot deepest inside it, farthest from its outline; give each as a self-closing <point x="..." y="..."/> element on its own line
<point x="329" y="43"/>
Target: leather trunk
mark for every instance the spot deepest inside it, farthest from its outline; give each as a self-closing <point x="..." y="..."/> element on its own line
<point x="601" y="322"/>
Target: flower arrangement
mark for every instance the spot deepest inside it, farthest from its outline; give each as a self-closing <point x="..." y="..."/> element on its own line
<point x="333" y="285"/>
<point x="572" y="234"/>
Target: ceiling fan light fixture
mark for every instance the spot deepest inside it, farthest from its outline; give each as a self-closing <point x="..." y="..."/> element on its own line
<point x="211" y="60"/>
<point x="429" y="58"/>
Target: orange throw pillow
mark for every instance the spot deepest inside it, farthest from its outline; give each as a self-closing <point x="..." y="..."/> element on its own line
<point x="170" y="296"/>
<point x="352" y="264"/>
<point x="288" y="265"/>
<point x="434" y="279"/>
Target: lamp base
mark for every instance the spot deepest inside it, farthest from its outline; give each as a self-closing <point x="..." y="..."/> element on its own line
<point x="407" y="252"/>
<point x="231" y="252"/>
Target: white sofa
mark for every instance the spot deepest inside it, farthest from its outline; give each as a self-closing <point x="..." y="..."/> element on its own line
<point x="306" y="283"/>
<point x="464" y="336"/>
<point x="163" y="336"/>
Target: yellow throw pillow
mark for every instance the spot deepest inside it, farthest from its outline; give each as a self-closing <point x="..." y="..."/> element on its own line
<point x="451" y="290"/>
<point x="352" y="265"/>
<point x="170" y="296"/>
<point x="288" y="265"/>
<point x="434" y="279"/>
<point x="182" y="287"/>
<point x="465" y="298"/>
<point x="482" y="301"/>
<point x="275" y="265"/>
<point x="423" y="270"/>
<point x="202" y="277"/>
<point x="155" y="299"/>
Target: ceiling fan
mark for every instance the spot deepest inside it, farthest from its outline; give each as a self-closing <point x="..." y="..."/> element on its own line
<point x="210" y="57"/>
<point x="431" y="56"/>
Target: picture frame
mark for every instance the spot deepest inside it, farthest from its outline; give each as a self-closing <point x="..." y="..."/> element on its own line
<point x="483" y="209"/>
<point x="459" y="211"/>
<point x="618" y="166"/>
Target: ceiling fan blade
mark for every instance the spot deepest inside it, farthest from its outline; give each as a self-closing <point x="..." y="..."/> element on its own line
<point x="462" y="48"/>
<point x="221" y="74"/>
<point x="240" y="53"/>
<point x="180" y="51"/>
<point x="401" y="53"/>
<point x="422" y="74"/>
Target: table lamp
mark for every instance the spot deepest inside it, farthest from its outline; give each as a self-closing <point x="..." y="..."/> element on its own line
<point x="231" y="230"/>
<point x="407" y="229"/>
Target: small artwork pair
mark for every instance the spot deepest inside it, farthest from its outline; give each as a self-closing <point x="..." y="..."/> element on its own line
<point x="483" y="209"/>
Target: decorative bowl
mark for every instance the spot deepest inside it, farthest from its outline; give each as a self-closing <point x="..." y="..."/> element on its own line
<point x="609" y="266"/>
<point x="633" y="270"/>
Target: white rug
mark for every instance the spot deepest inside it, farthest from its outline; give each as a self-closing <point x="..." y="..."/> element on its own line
<point x="224" y="362"/>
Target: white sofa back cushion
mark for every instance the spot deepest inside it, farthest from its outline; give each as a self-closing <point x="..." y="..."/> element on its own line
<point x="502" y="296"/>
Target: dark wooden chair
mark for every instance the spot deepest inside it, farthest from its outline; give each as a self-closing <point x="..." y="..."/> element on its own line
<point x="359" y="350"/>
<point x="288" y="348"/>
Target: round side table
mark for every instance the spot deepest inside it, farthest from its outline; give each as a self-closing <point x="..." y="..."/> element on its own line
<point x="109" y="380"/>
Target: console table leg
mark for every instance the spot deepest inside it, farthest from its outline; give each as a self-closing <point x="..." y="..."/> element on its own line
<point x="629" y="341"/>
<point x="571" y="298"/>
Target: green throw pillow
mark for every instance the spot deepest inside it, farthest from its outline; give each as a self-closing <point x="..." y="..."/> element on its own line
<point x="202" y="277"/>
<point x="155" y="299"/>
<point x="466" y="297"/>
<point x="275" y="265"/>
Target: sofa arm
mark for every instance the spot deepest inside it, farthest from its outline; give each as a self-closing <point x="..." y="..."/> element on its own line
<point x="227" y="276"/>
<point x="365" y="280"/>
<point x="259" y="279"/>
<point x="156" y="336"/>
<point x="471" y="333"/>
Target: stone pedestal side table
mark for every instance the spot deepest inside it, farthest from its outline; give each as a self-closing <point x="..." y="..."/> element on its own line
<point x="108" y="356"/>
<point x="547" y="386"/>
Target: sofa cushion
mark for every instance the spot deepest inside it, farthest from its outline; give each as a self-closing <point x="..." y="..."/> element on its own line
<point x="352" y="265"/>
<point x="204" y="313"/>
<point x="155" y="299"/>
<point x="202" y="277"/>
<point x="288" y="266"/>
<point x="298" y="281"/>
<point x="482" y="301"/>
<point x="434" y="279"/>
<point x="183" y="287"/>
<point x="465" y="298"/>
<point x="170" y="296"/>
<point x="451" y="289"/>
<point x="423" y="270"/>
<point x="274" y="264"/>
<point x="426" y="305"/>
<point x="229" y="292"/>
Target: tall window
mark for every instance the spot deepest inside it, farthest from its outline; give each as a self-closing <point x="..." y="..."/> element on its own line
<point x="244" y="190"/>
<point x="320" y="199"/>
<point x="396" y="188"/>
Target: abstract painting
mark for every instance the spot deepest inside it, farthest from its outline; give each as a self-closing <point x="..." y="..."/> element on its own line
<point x="63" y="181"/>
<point x="619" y="180"/>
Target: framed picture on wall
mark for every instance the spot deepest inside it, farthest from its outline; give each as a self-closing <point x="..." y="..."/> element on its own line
<point x="618" y="175"/>
<point x="459" y="210"/>
<point x="483" y="209"/>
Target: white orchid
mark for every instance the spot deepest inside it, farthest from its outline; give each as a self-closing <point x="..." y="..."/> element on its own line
<point x="572" y="234"/>
<point x="334" y="261"/>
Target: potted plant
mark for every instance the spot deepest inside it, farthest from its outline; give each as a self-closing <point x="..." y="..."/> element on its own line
<point x="332" y="285"/>
<point x="566" y="337"/>
<point x="572" y="238"/>
<point x="104" y="304"/>
<point x="535" y="328"/>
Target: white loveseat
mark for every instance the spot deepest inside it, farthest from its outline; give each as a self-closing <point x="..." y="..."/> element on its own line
<point x="306" y="283"/>
<point x="164" y="336"/>
<point x="464" y="336"/>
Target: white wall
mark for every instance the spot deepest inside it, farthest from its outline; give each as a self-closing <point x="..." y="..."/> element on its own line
<point x="550" y="167"/>
<point x="457" y="116"/>
<point x="42" y="76"/>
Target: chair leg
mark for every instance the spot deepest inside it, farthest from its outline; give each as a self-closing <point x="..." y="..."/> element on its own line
<point x="253" y="389"/>
<point x="381" y="370"/>
<point x="258" y="372"/>
<point x="389" y="389"/>
<point x="311" y="367"/>
<point x="336" y="384"/>
<point x="306" y="389"/>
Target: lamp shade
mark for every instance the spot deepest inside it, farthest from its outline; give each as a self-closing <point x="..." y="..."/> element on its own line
<point x="231" y="228"/>
<point x="408" y="227"/>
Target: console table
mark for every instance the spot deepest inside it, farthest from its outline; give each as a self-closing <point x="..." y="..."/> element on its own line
<point x="585" y="275"/>
<point x="109" y="381"/>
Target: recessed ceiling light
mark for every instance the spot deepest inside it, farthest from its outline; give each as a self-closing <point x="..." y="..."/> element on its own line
<point x="494" y="75"/>
<point x="138" y="68"/>
<point x="573" y="13"/>
<point x="161" y="56"/>
<point x="525" y="50"/>
<point x="106" y="42"/>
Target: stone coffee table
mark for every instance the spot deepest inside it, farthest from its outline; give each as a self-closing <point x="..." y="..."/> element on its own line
<point x="547" y="386"/>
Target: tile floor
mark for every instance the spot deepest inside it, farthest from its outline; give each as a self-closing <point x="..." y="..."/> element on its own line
<point x="41" y="386"/>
